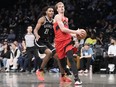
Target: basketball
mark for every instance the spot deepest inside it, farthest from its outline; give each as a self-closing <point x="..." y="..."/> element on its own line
<point x="82" y="35"/>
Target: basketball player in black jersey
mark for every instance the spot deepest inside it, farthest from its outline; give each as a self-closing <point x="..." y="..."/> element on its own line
<point x="42" y="33"/>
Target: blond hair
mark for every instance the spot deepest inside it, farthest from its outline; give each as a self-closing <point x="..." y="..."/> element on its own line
<point x="56" y="6"/>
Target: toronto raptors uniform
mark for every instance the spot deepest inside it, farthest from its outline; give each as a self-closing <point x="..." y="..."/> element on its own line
<point x="63" y="41"/>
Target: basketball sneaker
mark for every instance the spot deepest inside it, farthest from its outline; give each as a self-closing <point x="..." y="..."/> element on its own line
<point x="78" y="82"/>
<point x="65" y="79"/>
<point x="40" y="75"/>
<point x="65" y="84"/>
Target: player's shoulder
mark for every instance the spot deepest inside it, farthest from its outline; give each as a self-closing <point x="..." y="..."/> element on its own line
<point x="57" y="16"/>
<point x="41" y="19"/>
<point x="65" y="18"/>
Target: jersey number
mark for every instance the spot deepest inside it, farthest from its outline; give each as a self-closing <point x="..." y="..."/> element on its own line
<point x="46" y="31"/>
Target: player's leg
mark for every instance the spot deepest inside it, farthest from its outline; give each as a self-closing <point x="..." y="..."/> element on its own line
<point x="62" y="62"/>
<point x="43" y="49"/>
<point x="73" y="66"/>
<point x="40" y="72"/>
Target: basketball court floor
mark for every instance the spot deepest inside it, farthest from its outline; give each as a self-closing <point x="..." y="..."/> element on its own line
<point x="52" y="80"/>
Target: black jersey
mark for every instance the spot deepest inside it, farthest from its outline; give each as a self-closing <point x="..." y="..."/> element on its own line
<point x="46" y="30"/>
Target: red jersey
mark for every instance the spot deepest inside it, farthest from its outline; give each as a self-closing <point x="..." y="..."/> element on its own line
<point x="59" y="35"/>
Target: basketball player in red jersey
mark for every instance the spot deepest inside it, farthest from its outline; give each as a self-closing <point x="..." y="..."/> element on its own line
<point x="63" y="40"/>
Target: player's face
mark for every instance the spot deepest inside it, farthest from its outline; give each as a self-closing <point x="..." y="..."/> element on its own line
<point x="61" y="8"/>
<point x="50" y="12"/>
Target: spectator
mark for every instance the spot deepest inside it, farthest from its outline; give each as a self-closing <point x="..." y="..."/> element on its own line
<point x="109" y="30"/>
<point x="14" y="55"/>
<point x="85" y="59"/>
<point x="111" y="17"/>
<point x="11" y="36"/>
<point x="112" y="47"/>
<point x="111" y="59"/>
<point x="4" y="34"/>
<point x="23" y="60"/>
<point x="5" y="55"/>
<point x="91" y="40"/>
<point x="100" y="39"/>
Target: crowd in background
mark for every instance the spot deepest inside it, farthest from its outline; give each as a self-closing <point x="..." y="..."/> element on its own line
<point x="97" y="17"/>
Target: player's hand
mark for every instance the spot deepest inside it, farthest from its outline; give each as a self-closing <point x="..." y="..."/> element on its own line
<point x="73" y="35"/>
<point x="78" y="32"/>
<point x="37" y="38"/>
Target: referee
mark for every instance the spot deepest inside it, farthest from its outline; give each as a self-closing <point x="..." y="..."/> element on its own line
<point x="31" y="49"/>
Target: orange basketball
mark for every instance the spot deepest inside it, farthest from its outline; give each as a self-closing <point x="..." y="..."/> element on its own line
<point x="82" y="35"/>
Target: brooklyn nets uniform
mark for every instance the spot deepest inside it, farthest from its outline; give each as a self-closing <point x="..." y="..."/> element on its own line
<point x="45" y="32"/>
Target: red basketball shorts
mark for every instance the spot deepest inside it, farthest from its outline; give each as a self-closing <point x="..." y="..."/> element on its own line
<point x="62" y="47"/>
